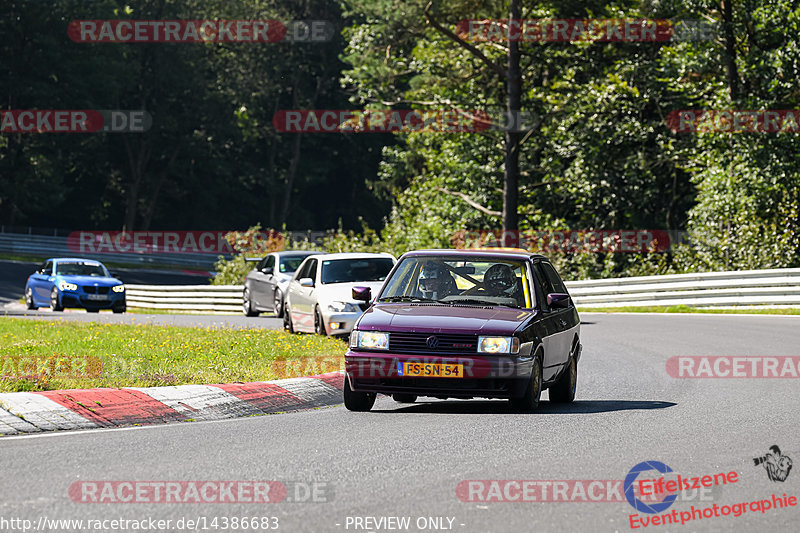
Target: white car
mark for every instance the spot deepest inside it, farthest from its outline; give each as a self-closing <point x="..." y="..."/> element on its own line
<point x="319" y="297"/>
<point x="265" y="285"/>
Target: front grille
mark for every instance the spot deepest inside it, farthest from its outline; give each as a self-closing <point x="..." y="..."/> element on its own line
<point x="418" y="343"/>
<point x="91" y="289"/>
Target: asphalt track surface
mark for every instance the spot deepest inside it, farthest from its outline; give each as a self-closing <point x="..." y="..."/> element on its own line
<point x="407" y="460"/>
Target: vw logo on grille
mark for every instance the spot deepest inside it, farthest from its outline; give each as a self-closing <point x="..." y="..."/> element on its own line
<point x="432" y="341"/>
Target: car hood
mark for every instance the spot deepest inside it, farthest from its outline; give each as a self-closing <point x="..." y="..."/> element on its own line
<point x="343" y="292"/>
<point x="432" y="318"/>
<point x="89" y="280"/>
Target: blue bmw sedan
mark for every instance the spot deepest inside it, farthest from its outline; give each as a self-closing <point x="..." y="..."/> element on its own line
<point x="71" y="282"/>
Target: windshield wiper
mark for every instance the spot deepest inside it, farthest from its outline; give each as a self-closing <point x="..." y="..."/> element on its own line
<point x="407" y="299"/>
<point x="477" y="301"/>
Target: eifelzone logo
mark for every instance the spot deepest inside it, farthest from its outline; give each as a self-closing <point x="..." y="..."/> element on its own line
<point x="777" y="465"/>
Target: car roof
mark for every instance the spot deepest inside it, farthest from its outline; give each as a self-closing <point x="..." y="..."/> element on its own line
<point x="75" y="260"/>
<point x="296" y="253"/>
<point x="356" y="255"/>
<point x="507" y="253"/>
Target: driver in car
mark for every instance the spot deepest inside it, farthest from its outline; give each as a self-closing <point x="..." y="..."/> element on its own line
<point x="500" y="280"/>
<point x="435" y="282"/>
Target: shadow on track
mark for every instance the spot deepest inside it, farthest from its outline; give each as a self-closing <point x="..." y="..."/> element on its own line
<point x="472" y="407"/>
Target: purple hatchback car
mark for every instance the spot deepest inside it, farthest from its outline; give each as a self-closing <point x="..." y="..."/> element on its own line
<point x="492" y="323"/>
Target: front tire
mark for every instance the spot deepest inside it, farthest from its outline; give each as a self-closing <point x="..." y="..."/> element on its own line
<point x="357" y="401"/>
<point x="55" y="305"/>
<point x="277" y="303"/>
<point x="319" y="324"/>
<point x="529" y="401"/>
<point x="287" y="319"/>
<point x="29" y="303"/>
<point x="564" y="389"/>
<point x="247" y="305"/>
<point x="120" y="309"/>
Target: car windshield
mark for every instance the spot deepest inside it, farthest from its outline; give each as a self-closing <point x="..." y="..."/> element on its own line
<point x="81" y="269"/>
<point x="466" y="281"/>
<point x="291" y="263"/>
<point x="353" y="270"/>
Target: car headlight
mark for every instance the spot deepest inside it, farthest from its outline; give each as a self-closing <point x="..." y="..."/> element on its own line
<point x="495" y="345"/>
<point x="370" y="340"/>
<point x="64" y="286"/>
<point x="343" y="307"/>
<point x="118" y="288"/>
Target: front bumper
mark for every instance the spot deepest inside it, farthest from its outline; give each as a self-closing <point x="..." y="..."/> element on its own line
<point x="78" y="299"/>
<point x="340" y="323"/>
<point x="486" y="376"/>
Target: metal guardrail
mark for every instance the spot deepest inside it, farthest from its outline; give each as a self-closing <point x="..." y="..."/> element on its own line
<point x="52" y="246"/>
<point x="746" y="288"/>
<point x="778" y="287"/>
<point x="190" y="298"/>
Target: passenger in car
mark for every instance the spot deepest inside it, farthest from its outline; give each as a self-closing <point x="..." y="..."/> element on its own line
<point x="500" y="280"/>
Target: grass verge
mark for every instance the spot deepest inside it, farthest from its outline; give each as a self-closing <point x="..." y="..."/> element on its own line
<point x="687" y="309"/>
<point x="38" y="355"/>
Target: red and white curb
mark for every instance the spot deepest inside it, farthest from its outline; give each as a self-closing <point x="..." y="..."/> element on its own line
<point x="30" y="412"/>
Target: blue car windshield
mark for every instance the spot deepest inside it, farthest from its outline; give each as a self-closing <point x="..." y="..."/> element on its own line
<point x="80" y="269"/>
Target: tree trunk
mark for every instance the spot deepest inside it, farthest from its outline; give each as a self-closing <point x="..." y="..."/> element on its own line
<point x="292" y="172"/>
<point x="290" y="175"/>
<point x="512" y="137"/>
<point x="153" y="200"/>
<point x="730" y="50"/>
<point x="137" y="162"/>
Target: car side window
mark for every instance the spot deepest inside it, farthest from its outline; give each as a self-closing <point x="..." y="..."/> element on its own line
<point x="47" y="268"/>
<point x="312" y="270"/>
<point x="543" y="287"/>
<point x="301" y="272"/>
<point x="554" y="278"/>
<point x="269" y="262"/>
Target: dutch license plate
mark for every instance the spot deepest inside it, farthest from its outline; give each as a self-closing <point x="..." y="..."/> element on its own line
<point x="431" y="370"/>
<point x="97" y="296"/>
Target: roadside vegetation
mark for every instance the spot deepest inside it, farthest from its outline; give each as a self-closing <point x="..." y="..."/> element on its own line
<point x="597" y="153"/>
<point x="36" y="355"/>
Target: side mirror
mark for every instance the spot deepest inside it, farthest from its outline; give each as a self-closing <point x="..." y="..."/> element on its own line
<point x="267" y="270"/>
<point x="558" y="300"/>
<point x="306" y="282"/>
<point x="363" y="294"/>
